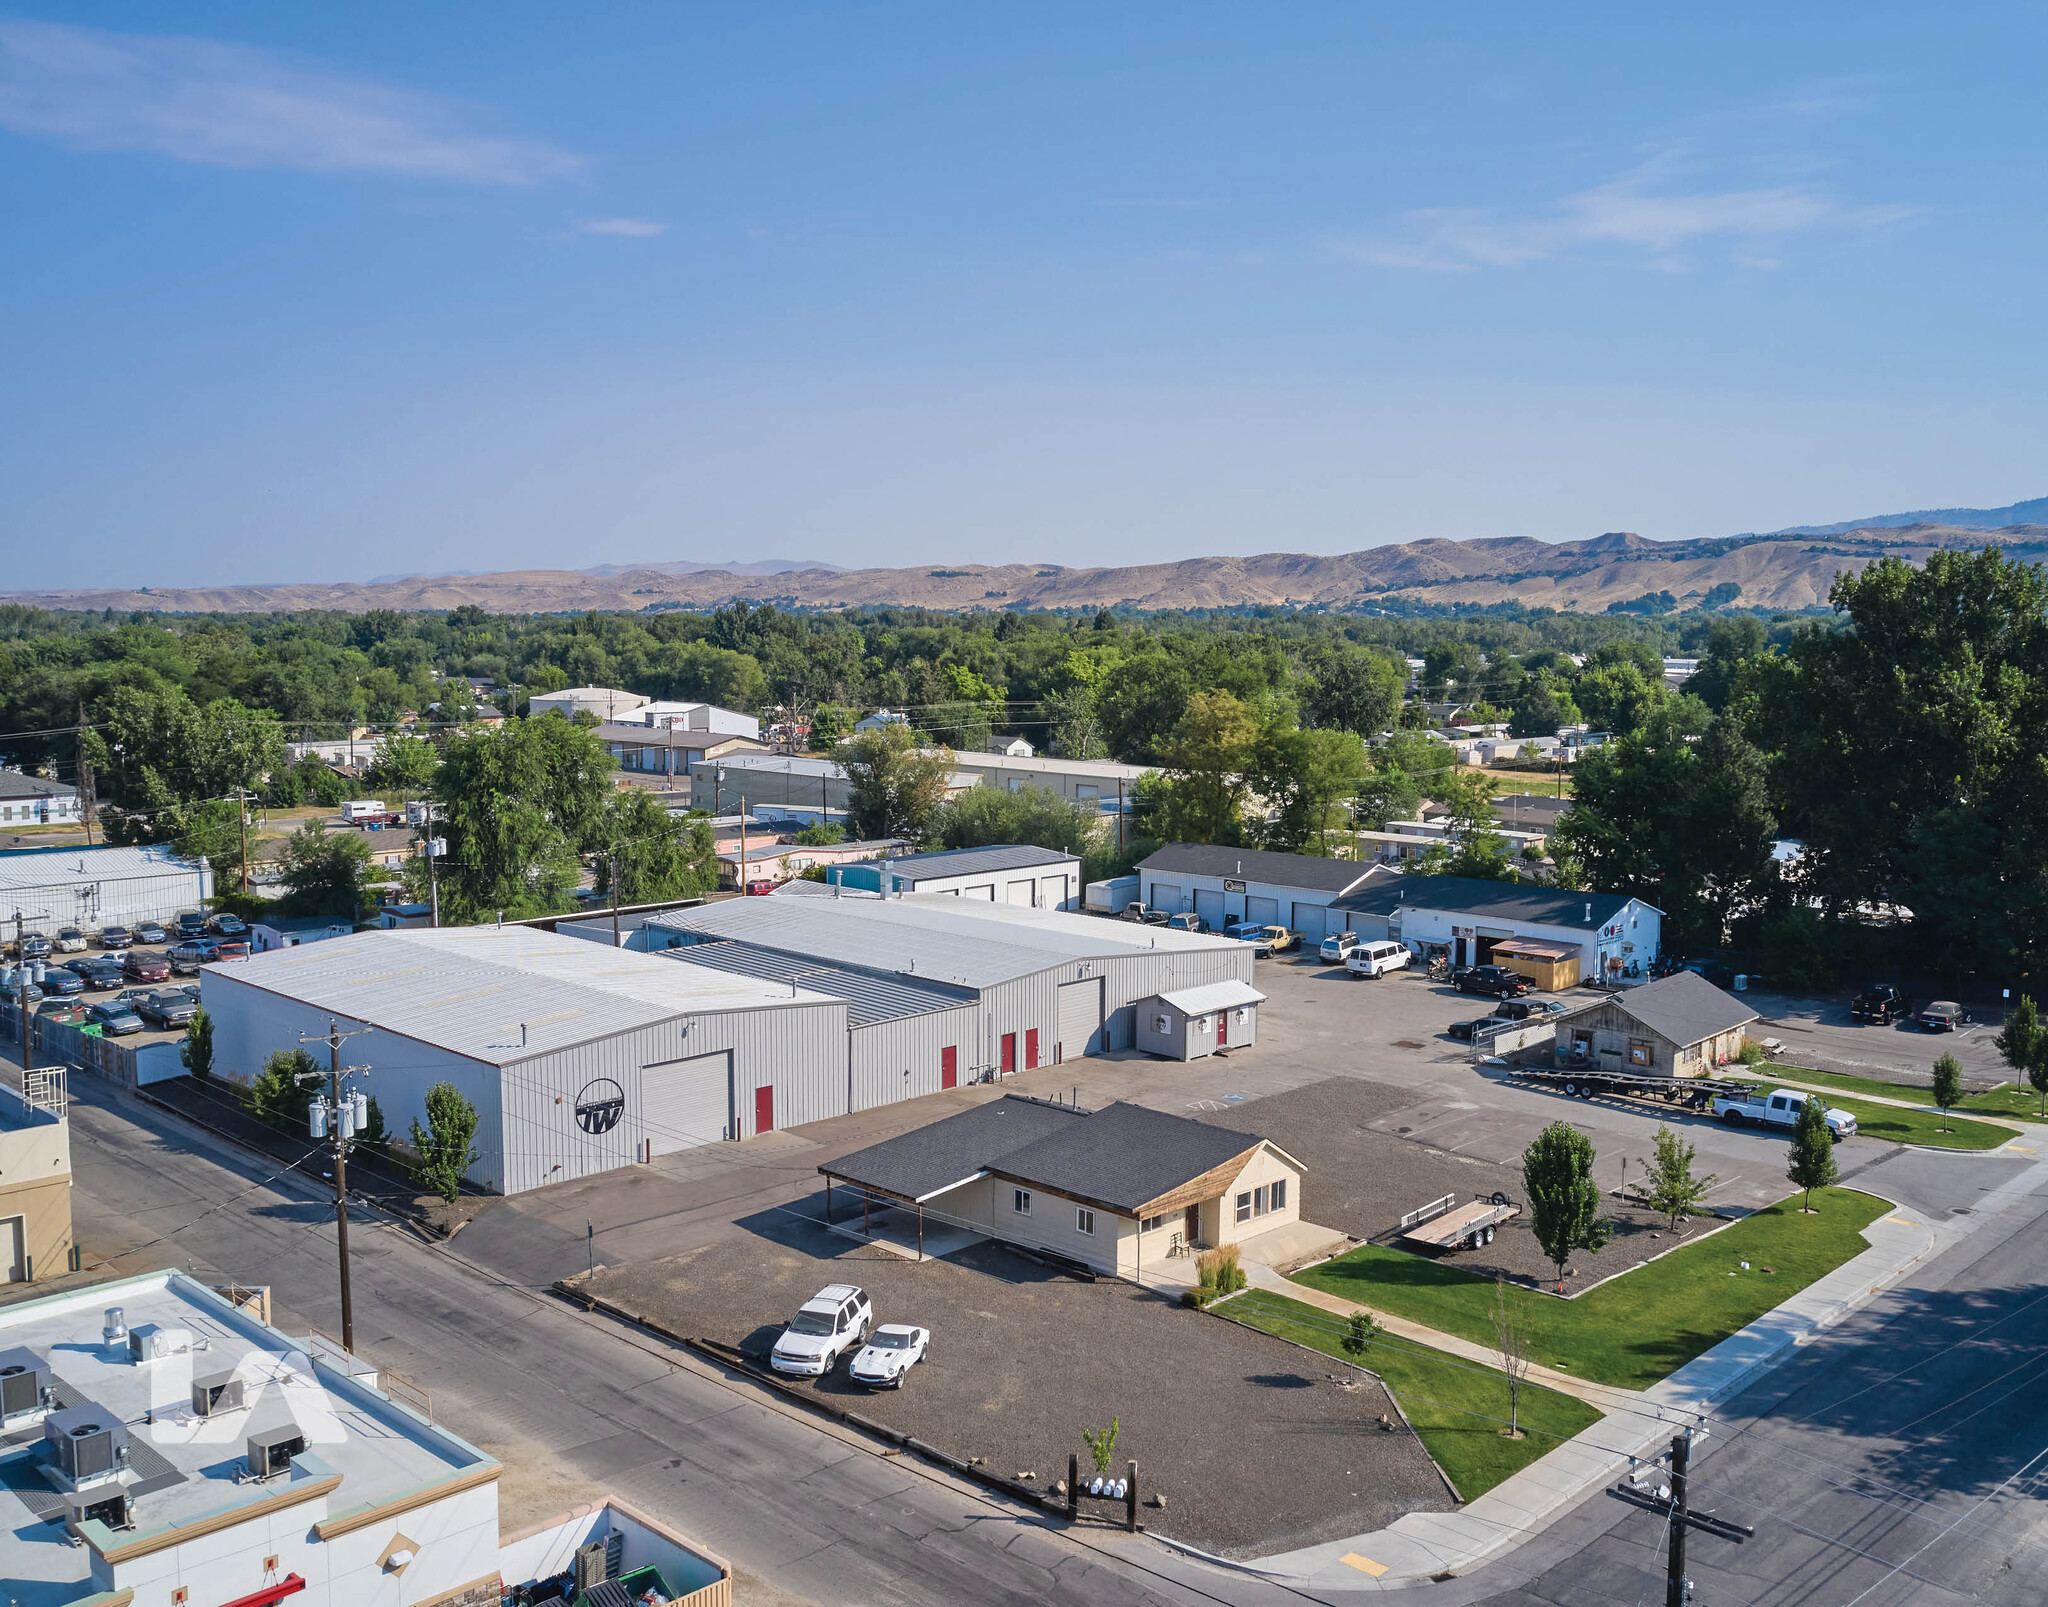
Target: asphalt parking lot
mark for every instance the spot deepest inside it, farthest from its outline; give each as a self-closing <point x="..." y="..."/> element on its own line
<point x="133" y="1040"/>
<point x="1254" y="1445"/>
<point x="1821" y="1033"/>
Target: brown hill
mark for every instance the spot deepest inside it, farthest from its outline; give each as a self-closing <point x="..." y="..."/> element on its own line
<point x="1773" y="571"/>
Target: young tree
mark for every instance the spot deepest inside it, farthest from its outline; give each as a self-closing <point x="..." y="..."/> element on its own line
<point x="894" y="787"/>
<point x="1564" y="1202"/>
<point x="324" y="871"/>
<point x="1812" y="1164"/>
<point x="1948" y="1083"/>
<point x="1672" y="1188"/>
<point x="2023" y="1045"/>
<point x="444" y="1146"/>
<point x="197" y="1049"/>
<point x="283" y="1090"/>
<point x="1359" y="1339"/>
<point x="1102" y="1443"/>
<point x="1511" y="1344"/>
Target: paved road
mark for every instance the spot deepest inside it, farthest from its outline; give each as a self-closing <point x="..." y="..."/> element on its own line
<point x="575" y="1406"/>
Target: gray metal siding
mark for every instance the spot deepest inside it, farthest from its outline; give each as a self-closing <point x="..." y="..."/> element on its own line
<point x="899" y="1059"/>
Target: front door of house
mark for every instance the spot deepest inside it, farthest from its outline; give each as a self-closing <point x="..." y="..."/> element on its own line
<point x="1191" y="1224"/>
<point x="1222" y="1028"/>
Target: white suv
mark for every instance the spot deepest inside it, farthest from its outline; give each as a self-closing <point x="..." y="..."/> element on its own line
<point x="1338" y="946"/>
<point x="1376" y="959"/>
<point x="833" y="1321"/>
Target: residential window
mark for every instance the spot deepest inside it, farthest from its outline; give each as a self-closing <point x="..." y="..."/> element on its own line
<point x="1152" y="1224"/>
<point x="1084" y="1219"/>
<point x="1280" y="1195"/>
<point x="1020" y="1201"/>
<point x="1244" y="1206"/>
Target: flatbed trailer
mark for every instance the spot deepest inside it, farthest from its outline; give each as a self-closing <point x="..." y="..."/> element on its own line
<point x="1464" y="1227"/>
<point x="1581" y="1083"/>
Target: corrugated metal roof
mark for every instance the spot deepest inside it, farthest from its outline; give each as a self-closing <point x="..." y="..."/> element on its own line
<point x="977" y="861"/>
<point x="1258" y="865"/>
<point x="472" y="989"/>
<point x="931" y="936"/>
<point x="1212" y="996"/>
<point x="869" y="997"/>
<point x="66" y="867"/>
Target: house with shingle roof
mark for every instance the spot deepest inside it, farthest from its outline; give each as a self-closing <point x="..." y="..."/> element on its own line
<point x="1678" y="1026"/>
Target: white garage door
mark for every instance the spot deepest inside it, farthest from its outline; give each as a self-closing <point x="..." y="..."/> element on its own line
<point x="1262" y="911"/>
<point x="1019" y="893"/>
<point x="1081" y="1018"/>
<point x="684" y="1103"/>
<point x="988" y="892"/>
<point x="1166" y="896"/>
<point x="1209" y="906"/>
<point x="1310" y="920"/>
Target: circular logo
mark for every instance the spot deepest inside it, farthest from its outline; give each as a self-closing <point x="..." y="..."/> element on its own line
<point x="599" y="1106"/>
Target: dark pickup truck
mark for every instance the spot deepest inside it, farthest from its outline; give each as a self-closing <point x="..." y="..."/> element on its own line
<point x="1495" y="979"/>
<point x="1880" y="1004"/>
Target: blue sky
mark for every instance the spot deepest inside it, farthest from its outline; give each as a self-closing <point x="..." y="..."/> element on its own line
<point x="322" y="292"/>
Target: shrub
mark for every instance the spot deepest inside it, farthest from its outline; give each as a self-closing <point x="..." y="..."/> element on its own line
<point x="197" y="1049"/>
<point x="283" y="1091"/>
<point x="1102" y="1446"/>
<point x="1217" y="1272"/>
<point x="1752" y="1053"/>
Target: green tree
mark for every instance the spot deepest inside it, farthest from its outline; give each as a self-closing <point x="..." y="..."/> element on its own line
<point x="1352" y="689"/>
<point x="2023" y="1045"/>
<point x="1472" y="844"/>
<point x="1304" y="775"/>
<point x="1811" y="1163"/>
<point x="1401" y="771"/>
<point x="1358" y="1340"/>
<point x="518" y="805"/>
<point x="283" y="1091"/>
<point x="1948" y="1083"/>
<point x="325" y="871"/>
<point x="406" y="763"/>
<point x="1672" y="1187"/>
<point x="1564" y="1201"/>
<point x="1543" y="706"/>
<point x="659" y="856"/>
<point x="1206" y="762"/>
<point x="821" y="834"/>
<point x="197" y="1050"/>
<point x="1453" y="671"/>
<point x="1620" y="697"/>
<point x="208" y="831"/>
<point x="1733" y="646"/>
<point x="445" y="1146"/>
<point x="982" y="817"/>
<point x="1102" y="1445"/>
<point x="894" y="787"/>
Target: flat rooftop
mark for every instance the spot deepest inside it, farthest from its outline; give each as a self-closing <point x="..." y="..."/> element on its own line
<point x="185" y="1466"/>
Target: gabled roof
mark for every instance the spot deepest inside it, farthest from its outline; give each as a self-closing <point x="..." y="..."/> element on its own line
<point x="1212" y="996"/>
<point x="1684" y="1007"/>
<point x="869" y="997"/>
<point x="1258" y="865"/>
<point x="1126" y="1157"/>
<point x="977" y="861"/>
<point x="941" y="1155"/>
<point x="14" y="784"/>
<point x="1507" y="901"/>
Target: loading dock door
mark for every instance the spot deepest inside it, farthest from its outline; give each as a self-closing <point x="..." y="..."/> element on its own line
<point x="1209" y="906"/>
<point x="1262" y="911"/>
<point x="1165" y="896"/>
<point x="1080" y="1006"/>
<point x="685" y="1103"/>
<point x="1310" y="921"/>
<point x="1020" y="893"/>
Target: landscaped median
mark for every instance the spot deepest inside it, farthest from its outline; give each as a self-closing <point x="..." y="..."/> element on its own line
<point x="1637" y="1328"/>
<point x="2007" y="1099"/>
<point x="1457" y="1406"/>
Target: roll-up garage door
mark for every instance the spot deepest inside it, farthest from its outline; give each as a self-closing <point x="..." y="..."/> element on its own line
<point x="1080" y="1018"/>
<point x="1310" y="920"/>
<point x="684" y="1103"/>
<point x="1209" y="906"/>
<point x="1166" y="896"/>
<point x="1020" y="893"/>
<point x="1262" y="911"/>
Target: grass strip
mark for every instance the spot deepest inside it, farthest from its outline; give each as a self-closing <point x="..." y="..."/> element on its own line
<point x="1457" y="1406"/>
<point x="1637" y="1328"/>
<point x="1897" y="1125"/>
<point x="2007" y="1099"/>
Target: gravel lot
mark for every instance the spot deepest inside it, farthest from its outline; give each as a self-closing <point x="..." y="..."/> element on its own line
<point x="1362" y="1180"/>
<point x="1253" y="1445"/>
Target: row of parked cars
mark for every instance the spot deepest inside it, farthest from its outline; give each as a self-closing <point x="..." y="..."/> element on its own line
<point x="839" y="1319"/>
<point x="1882" y="1004"/>
<point x="191" y="927"/>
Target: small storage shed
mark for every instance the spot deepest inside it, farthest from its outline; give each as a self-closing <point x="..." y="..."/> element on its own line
<point x="1189" y="1023"/>
<point x="1549" y="966"/>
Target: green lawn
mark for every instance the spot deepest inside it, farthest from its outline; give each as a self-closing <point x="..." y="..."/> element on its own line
<point x="1634" y="1329"/>
<point x="2007" y="1099"/>
<point x="1899" y="1125"/>
<point x="1458" y="1407"/>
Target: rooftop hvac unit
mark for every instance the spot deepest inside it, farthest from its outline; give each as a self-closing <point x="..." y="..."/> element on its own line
<point x="271" y="1450"/>
<point x="88" y="1442"/>
<point x="23" y="1377"/>
<point x="215" y="1394"/>
<point x="148" y="1341"/>
<point x="107" y="1503"/>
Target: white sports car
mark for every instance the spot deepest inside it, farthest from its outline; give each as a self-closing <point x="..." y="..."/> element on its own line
<point x="891" y="1351"/>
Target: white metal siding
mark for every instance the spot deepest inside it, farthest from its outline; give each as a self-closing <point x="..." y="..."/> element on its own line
<point x="1311" y="921"/>
<point x="687" y="1102"/>
<point x="900" y="1059"/>
<point x="1080" y="1016"/>
<point x="1020" y="892"/>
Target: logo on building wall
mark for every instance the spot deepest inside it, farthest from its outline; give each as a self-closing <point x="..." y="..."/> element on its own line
<point x="599" y="1106"/>
<point x="1232" y="886"/>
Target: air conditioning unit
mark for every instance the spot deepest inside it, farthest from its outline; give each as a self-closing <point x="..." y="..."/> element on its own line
<point x="150" y="1341"/>
<point x="216" y="1393"/>
<point x="23" y="1377"/>
<point x="87" y="1442"/>
<point x="110" y="1504"/>
<point x="271" y="1450"/>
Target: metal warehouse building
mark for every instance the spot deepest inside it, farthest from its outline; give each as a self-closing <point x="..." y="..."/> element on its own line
<point x="1007" y="873"/>
<point x="1252" y="884"/>
<point x="578" y="1057"/>
<point x="1041" y="986"/>
<point x="95" y="887"/>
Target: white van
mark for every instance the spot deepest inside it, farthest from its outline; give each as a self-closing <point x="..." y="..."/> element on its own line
<point x="1377" y="959"/>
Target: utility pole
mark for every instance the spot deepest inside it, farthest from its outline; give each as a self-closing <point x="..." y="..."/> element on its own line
<point x="242" y="820"/>
<point x="431" y="845"/>
<point x="87" y="806"/>
<point x="1119" y="814"/>
<point x="612" y="858"/>
<point x="340" y="1128"/>
<point x="21" y="996"/>
<point x="1674" y="1582"/>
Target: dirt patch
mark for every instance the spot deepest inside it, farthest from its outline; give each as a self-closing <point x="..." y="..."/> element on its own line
<point x="1252" y="1441"/>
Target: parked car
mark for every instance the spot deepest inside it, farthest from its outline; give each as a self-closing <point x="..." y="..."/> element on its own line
<point x="1463" y="1031"/>
<point x="1495" y="979"/>
<point x="833" y="1321"/>
<point x="1722" y="976"/>
<point x="225" y="925"/>
<point x="191" y="924"/>
<point x="1880" y="1003"/>
<point x="1138" y="912"/>
<point x="116" y="937"/>
<point x="65" y="1012"/>
<point x="33" y="946"/>
<point x="59" y="982"/>
<point x="233" y="949"/>
<point x="69" y="940"/>
<point x="1265" y="940"/>
<point x="1943" y="1015"/>
<point x="149" y="932"/>
<point x="1187" y="921"/>
<point x="18" y="993"/>
<point x="1337" y="946"/>
<point x="187" y="957"/>
<point x="889" y="1355"/>
<point x="1377" y="959"/>
<point x="142" y="966"/>
<point x="114" y="1018"/>
<point x="167" y="1009"/>
<point x="1523" y="1009"/>
<point x="192" y="991"/>
<point x="1778" y="1108"/>
<point x="102" y="975"/>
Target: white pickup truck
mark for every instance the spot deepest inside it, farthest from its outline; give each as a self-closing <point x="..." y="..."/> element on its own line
<point x="1778" y="1108"/>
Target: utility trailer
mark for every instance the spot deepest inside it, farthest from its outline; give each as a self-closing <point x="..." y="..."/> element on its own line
<point x="1694" y="1093"/>
<point x="1443" y="1226"/>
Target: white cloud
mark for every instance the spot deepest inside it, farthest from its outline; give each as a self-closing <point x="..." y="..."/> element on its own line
<point x="1634" y="212"/>
<point x="627" y="228"/>
<point x="197" y="100"/>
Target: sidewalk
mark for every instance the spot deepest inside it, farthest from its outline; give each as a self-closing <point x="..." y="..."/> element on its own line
<point x="1423" y="1544"/>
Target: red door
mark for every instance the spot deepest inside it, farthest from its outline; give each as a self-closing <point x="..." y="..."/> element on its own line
<point x="949" y="1068"/>
<point x="1222" y="1028"/>
<point x="764" y="1110"/>
<point x="1031" y="1049"/>
<point x="1009" y="1061"/>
